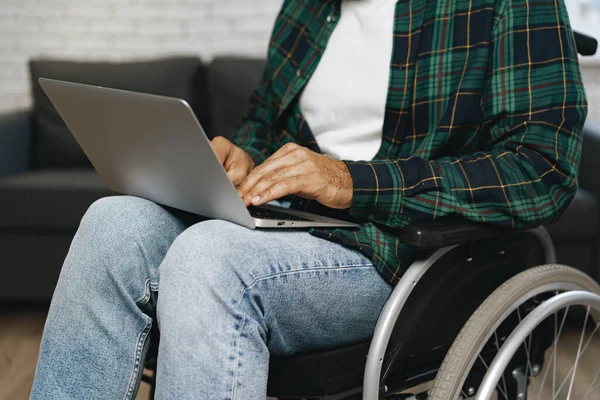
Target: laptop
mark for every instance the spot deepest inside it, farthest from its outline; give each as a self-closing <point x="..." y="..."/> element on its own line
<point x="154" y="147"/>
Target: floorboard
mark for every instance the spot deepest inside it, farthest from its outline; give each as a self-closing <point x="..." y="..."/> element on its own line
<point x="21" y="330"/>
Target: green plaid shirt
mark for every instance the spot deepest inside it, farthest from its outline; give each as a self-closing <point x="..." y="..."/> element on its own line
<point x="483" y="120"/>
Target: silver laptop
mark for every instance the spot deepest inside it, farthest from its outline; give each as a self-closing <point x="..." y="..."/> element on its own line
<point x="154" y="147"/>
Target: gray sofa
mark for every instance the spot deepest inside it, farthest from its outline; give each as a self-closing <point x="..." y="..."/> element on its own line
<point x="46" y="182"/>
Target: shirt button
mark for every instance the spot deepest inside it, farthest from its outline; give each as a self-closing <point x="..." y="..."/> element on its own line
<point x="298" y="73"/>
<point x="330" y="18"/>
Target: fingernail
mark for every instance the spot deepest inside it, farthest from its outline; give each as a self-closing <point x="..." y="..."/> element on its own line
<point x="255" y="199"/>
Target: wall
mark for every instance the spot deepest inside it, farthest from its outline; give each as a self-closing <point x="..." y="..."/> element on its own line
<point x="125" y="29"/>
<point x="591" y="82"/>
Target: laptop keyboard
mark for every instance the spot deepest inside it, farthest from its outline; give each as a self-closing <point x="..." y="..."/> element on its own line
<point x="263" y="213"/>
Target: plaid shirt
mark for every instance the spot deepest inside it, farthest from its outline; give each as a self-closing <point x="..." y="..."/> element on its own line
<point x="483" y="120"/>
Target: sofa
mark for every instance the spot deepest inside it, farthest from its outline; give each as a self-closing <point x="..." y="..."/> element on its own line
<point x="47" y="183"/>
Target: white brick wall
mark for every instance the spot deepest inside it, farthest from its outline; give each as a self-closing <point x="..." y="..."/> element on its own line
<point x="122" y="30"/>
<point x="130" y="29"/>
<point x="591" y="81"/>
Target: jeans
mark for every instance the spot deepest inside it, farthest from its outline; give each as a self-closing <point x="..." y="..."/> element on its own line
<point x="223" y="297"/>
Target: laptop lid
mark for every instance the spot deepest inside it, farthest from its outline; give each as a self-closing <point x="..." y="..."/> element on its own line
<point x="148" y="146"/>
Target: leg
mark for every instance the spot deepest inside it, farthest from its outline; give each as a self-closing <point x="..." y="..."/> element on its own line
<point x="229" y="296"/>
<point x="97" y="329"/>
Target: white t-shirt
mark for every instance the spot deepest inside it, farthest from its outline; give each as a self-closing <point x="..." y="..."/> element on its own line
<point x="344" y="101"/>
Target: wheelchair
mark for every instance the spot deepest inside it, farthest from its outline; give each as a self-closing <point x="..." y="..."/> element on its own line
<point x="478" y="315"/>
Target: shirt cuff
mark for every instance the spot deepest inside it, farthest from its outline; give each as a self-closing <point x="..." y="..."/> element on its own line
<point x="377" y="190"/>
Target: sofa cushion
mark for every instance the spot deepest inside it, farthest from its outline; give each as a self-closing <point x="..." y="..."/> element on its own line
<point x="580" y="220"/>
<point x="54" y="146"/>
<point x="50" y="199"/>
<point x="231" y="80"/>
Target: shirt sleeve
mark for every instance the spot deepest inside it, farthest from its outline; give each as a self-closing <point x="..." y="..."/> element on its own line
<point x="534" y="107"/>
<point x="254" y="134"/>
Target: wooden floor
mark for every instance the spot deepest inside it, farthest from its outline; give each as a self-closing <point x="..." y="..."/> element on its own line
<point x="21" y="330"/>
<point x="20" y="334"/>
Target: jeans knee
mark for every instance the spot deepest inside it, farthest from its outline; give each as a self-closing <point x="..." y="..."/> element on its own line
<point x="116" y="214"/>
<point x="123" y="238"/>
<point x="118" y="218"/>
<point x="209" y="254"/>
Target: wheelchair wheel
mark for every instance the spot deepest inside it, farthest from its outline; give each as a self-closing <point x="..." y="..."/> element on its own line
<point x="531" y="370"/>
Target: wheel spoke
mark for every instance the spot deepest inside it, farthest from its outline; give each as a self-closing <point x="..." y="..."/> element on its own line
<point x="528" y="354"/>
<point x="585" y="346"/>
<point x="592" y="387"/>
<point x="552" y="359"/>
<point x="513" y="306"/>
<point x="527" y="346"/>
<point x="562" y="324"/>
<point x="504" y="392"/>
<point x="498" y="349"/>
<point x="592" y="390"/>
<point x="554" y="345"/>
<point x="587" y="314"/>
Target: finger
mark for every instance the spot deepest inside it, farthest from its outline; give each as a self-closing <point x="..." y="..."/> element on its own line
<point x="278" y="190"/>
<point x="289" y="159"/>
<point x="238" y="166"/>
<point x="222" y="148"/>
<point x="270" y="180"/>
<point x="237" y="175"/>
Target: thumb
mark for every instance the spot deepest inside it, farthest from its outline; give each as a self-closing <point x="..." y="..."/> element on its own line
<point x="222" y="148"/>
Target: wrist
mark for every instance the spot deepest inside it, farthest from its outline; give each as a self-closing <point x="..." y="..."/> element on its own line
<point x="346" y="185"/>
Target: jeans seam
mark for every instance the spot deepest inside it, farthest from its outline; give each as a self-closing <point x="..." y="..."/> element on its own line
<point x="258" y="279"/>
<point x="261" y="278"/>
<point x="148" y="285"/>
<point x="148" y="288"/>
<point x="138" y="355"/>
<point x="237" y="357"/>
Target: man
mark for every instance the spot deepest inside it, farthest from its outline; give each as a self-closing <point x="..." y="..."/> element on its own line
<point x="478" y="116"/>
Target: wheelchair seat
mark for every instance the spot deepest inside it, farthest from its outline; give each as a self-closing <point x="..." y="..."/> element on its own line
<point x="453" y="287"/>
<point x="318" y="374"/>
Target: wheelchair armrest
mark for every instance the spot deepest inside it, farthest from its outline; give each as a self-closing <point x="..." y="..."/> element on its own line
<point x="443" y="233"/>
<point x="586" y="45"/>
<point x="589" y="164"/>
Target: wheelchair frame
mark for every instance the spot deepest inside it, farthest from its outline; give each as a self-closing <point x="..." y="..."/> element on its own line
<point x="372" y="386"/>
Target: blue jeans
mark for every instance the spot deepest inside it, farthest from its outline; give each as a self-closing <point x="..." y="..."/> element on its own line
<point x="224" y="297"/>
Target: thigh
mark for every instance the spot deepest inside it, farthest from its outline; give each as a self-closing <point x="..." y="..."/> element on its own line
<point x="124" y="238"/>
<point x="323" y="295"/>
<point x="307" y="292"/>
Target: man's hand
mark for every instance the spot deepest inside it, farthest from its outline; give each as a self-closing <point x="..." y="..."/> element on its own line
<point x="236" y="161"/>
<point x="296" y="170"/>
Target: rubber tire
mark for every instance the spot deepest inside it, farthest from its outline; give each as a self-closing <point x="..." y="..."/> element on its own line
<point x="461" y="353"/>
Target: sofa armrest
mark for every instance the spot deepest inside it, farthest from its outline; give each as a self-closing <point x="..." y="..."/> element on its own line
<point x="15" y="142"/>
<point x="590" y="158"/>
